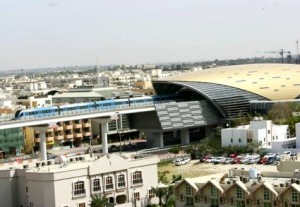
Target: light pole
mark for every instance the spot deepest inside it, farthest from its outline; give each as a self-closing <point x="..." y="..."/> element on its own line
<point x="119" y="130"/>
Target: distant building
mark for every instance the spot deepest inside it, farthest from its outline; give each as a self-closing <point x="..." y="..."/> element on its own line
<point x="262" y="132"/>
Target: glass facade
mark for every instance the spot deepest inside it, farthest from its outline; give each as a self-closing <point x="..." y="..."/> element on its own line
<point x="11" y="140"/>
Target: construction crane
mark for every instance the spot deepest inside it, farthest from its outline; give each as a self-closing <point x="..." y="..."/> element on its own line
<point x="281" y="52"/>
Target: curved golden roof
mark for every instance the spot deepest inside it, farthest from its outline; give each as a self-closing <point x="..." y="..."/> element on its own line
<point x="273" y="81"/>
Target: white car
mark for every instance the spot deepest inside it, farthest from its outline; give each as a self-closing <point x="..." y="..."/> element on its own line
<point x="180" y="162"/>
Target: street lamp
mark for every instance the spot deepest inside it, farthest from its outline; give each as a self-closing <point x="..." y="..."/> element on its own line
<point x="119" y="130"/>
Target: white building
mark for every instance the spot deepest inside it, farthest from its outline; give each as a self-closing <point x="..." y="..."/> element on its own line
<point x="259" y="131"/>
<point x="125" y="180"/>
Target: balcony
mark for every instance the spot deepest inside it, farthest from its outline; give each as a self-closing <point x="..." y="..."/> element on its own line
<point x="77" y="135"/>
<point x="68" y="127"/>
<point x="77" y="126"/>
<point x="50" y="139"/>
<point x="58" y="128"/>
<point x="59" y="137"/>
<point x="69" y="136"/>
<point x="86" y="124"/>
<point x="87" y="134"/>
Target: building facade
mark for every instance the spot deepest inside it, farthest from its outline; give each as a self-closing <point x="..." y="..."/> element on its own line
<point x="239" y="188"/>
<point x="125" y="180"/>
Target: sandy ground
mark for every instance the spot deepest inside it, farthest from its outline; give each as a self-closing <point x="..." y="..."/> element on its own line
<point x="195" y="168"/>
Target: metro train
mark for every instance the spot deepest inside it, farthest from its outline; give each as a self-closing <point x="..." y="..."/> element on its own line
<point x="89" y="107"/>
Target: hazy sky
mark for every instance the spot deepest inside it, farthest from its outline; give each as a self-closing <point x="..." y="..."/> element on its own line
<point x="42" y="33"/>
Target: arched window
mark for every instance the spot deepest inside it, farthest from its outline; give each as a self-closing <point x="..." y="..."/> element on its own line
<point x="137" y="178"/>
<point x="109" y="183"/>
<point x="79" y="188"/>
<point x="96" y="185"/>
<point x="121" y="181"/>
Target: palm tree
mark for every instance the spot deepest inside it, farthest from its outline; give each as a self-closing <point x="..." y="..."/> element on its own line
<point x="160" y="193"/>
<point x="98" y="201"/>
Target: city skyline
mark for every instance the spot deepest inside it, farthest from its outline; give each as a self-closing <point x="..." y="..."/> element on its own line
<point x="64" y="33"/>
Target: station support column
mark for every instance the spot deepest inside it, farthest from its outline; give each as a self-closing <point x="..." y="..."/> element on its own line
<point x="155" y="139"/>
<point x="43" y="146"/>
<point x="104" y="129"/>
<point x="185" y="136"/>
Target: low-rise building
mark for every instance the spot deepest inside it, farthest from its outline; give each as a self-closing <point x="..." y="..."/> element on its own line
<point x="126" y="180"/>
<point x="240" y="188"/>
<point x="263" y="132"/>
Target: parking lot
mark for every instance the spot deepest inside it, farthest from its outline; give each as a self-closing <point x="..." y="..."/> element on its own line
<point x="196" y="168"/>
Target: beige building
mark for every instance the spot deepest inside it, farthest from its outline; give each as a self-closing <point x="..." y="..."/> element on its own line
<point x="125" y="180"/>
<point x="64" y="135"/>
<point x="241" y="188"/>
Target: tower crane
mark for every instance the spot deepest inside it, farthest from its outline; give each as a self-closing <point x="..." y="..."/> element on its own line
<point x="281" y="52"/>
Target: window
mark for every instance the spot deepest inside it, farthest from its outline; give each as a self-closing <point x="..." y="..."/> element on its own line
<point x="294" y="196"/>
<point x="214" y="202"/>
<point x="136" y="196"/>
<point x="239" y="192"/>
<point x="269" y="131"/>
<point x="79" y="188"/>
<point x="151" y="194"/>
<point x="240" y="204"/>
<point x="109" y="183"/>
<point x="213" y="191"/>
<point x="189" y="201"/>
<point x="121" y="181"/>
<point x="240" y="140"/>
<point x="137" y="178"/>
<point x="266" y="194"/>
<point x="231" y="140"/>
<point x="267" y="204"/>
<point x="96" y="185"/>
<point x="188" y="189"/>
<point x="81" y="204"/>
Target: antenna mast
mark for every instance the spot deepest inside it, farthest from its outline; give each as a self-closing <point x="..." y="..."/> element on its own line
<point x="297" y="48"/>
<point x="98" y="73"/>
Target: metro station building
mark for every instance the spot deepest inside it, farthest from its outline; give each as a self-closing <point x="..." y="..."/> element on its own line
<point x="214" y="96"/>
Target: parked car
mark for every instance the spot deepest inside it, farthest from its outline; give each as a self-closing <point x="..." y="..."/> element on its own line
<point x="233" y="155"/>
<point x="270" y="155"/>
<point x="244" y="160"/>
<point x="252" y="160"/>
<point x="262" y="160"/>
<point x="236" y="161"/>
<point x="186" y="159"/>
<point x="217" y="160"/>
<point x="270" y="160"/>
<point x="180" y="162"/>
<point x="227" y="161"/>
<point x="203" y="159"/>
<point x="209" y="160"/>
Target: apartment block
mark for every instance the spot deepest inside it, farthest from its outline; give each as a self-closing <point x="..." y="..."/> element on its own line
<point x="64" y="135"/>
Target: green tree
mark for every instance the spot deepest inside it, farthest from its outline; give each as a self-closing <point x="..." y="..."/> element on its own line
<point x="162" y="177"/>
<point x="98" y="201"/>
<point x="175" y="150"/>
<point x="280" y="112"/>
